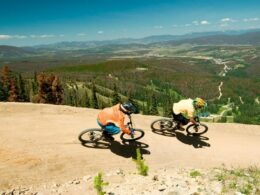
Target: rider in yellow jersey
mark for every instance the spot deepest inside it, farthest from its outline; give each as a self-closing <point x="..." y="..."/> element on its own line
<point x="185" y="110"/>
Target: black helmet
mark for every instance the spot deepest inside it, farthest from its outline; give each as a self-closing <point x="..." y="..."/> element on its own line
<point x="128" y="108"/>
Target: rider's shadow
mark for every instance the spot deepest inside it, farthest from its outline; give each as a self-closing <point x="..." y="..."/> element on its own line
<point x="128" y="149"/>
<point x="195" y="141"/>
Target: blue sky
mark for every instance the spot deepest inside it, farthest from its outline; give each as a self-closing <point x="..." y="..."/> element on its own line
<point x="32" y="22"/>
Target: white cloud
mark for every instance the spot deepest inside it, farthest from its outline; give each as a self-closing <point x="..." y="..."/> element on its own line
<point x="196" y="22"/>
<point x="46" y="36"/>
<point x="227" y="20"/>
<point x="100" y="32"/>
<point x="3" y="37"/>
<point x="204" y="22"/>
<point x="158" y="27"/>
<point x="250" y="19"/>
<point x="224" y="25"/>
<point x="19" y="36"/>
<point x="81" y="34"/>
<point x="42" y="36"/>
<point x="175" y="26"/>
<point x="61" y="35"/>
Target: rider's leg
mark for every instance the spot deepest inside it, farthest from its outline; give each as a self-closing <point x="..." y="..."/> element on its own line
<point x="109" y="130"/>
<point x="181" y="121"/>
<point x="112" y="129"/>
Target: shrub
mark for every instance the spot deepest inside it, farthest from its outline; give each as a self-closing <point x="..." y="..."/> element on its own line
<point x="195" y="173"/>
<point x="142" y="168"/>
<point x="99" y="184"/>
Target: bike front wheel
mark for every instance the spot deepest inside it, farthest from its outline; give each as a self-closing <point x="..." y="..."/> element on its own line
<point x="194" y="129"/>
<point x="136" y="135"/>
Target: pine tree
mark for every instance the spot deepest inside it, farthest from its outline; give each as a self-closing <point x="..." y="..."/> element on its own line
<point x="154" y="110"/>
<point x="94" y="97"/>
<point x="2" y="97"/>
<point x="115" y="96"/>
<point x="49" y="89"/>
<point x="57" y="90"/>
<point x="21" y="89"/>
<point x="85" y="99"/>
<point x="6" y="82"/>
<point x="35" y="83"/>
<point x="148" y="105"/>
<point x="144" y="109"/>
<point x="167" y="107"/>
<point x="13" y="95"/>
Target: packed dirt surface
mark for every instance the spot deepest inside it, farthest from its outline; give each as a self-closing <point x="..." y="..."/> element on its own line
<point x="39" y="144"/>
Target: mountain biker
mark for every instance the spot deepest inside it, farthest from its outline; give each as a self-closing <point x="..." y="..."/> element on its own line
<point x="185" y="110"/>
<point x="112" y="119"/>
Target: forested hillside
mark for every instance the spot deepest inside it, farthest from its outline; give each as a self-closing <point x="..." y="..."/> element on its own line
<point x="152" y="84"/>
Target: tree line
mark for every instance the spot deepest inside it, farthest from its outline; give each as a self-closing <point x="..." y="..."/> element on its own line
<point x="48" y="88"/>
<point x="156" y="100"/>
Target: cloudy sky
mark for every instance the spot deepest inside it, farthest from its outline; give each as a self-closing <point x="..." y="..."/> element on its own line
<point x="32" y="22"/>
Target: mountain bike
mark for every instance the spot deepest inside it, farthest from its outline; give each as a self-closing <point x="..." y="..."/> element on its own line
<point x="94" y="136"/>
<point x="171" y="124"/>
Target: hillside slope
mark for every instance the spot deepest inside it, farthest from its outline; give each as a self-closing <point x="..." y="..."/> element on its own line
<point x="39" y="144"/>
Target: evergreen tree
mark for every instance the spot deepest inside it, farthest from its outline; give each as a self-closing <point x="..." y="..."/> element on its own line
<point x="13" y="95"/>
<point x="148" y="105"/>
<point x="21" y="89"/>
<point x="115" y="96"/>
<point x="35" y="83"/>
<point x="85" y="99"/>
<point x="167" y="107"/>
<point x="2" y="97"/>
<point x="57" y="90"/>
<point x="154" y="110"/>
<point x="6" y="82"/>
<point x="49" y="89"/>
<point x="94" y="97"/>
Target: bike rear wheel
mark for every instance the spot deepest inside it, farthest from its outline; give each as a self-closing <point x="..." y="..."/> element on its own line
<point x="92" y="138"/>
<point x="162" y="124"/>
<point x="138" y="134"/>
<point x="197" y="129"/>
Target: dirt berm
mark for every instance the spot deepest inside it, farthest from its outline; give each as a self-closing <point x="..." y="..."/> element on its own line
<point x="39" y="144"/>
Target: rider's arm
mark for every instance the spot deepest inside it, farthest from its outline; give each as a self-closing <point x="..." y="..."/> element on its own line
<point x="122" y="126"/>
<point x="191" y="115"/>
<point x="192" y="120"/>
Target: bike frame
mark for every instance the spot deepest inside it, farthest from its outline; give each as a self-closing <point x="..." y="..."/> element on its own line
<point x="130" y="124"/>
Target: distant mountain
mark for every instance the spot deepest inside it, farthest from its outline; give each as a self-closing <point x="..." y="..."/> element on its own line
<point x="76" y="45"/>
<point x="248" y="38"/>
<point x="242" y="37"/>
<point x="11" y="51"/>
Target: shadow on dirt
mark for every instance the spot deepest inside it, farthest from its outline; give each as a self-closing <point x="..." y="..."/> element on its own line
<point x="195" y="141"/>
<point x="124" y="149"/>
<point x="166" y="132"/>
<point x="128" y="149"/>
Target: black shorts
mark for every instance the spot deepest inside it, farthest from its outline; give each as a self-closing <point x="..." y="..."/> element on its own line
<point x="180" y="118"/>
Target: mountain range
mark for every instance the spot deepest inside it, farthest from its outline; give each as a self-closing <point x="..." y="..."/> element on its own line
<point x="242" y="37"/>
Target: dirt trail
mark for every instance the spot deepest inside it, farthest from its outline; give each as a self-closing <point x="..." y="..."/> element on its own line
<point x="38" y="144"/>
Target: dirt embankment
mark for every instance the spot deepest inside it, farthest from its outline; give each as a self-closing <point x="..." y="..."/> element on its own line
<point x="39" y="145"/>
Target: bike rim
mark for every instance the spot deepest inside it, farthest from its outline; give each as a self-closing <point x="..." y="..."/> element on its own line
<point x="91" y="136"/>
<point x="135" y="136"/>
<point x="199" y="130"/>
<point x="162" y="124"/>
